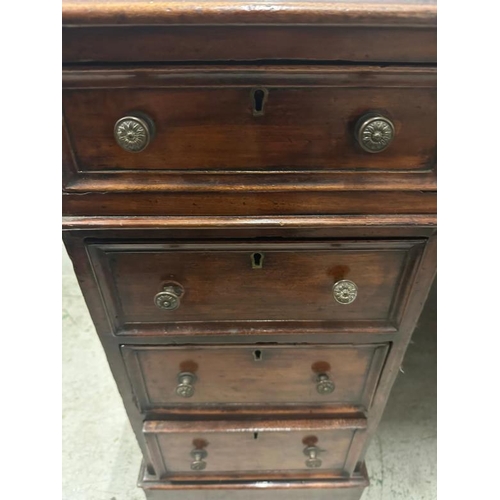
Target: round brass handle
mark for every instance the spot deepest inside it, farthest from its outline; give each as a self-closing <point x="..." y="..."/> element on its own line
<point x="134" y="132"/>
<point x="374" y="132"/>
<point x="198" y="455"/>
<point x="324" y="385"/>
<point x="186" y="381"/>
<point x="312" y="461"/>
<point x="170" y="298"/>
<point x="345" y="291"/>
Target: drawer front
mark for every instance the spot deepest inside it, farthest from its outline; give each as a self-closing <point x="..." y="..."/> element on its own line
<point x="260" y="449"/>
<point x="243" y="122"/>
<point x="237" y="286"/>
<point x="163" y="377"/>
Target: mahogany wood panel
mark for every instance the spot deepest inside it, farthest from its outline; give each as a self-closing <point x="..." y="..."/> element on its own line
<point x="205" y="127"/>
<point x="336" y="489"/>
<point x="250" y="204"/>
<point x="382" y="226"/>
<point x="79" y="231"/>
<point x="376" y="227"/>
<point x="256" y="374"/>
<point x="187" y="76"/>
<point x="424" y="277"/>
<point x="270" y="43"/>
<point x="220" y="182"/>
<point x="382" y="12"/>
<point x="253" y="449"/>
<point x="220" y="283"/>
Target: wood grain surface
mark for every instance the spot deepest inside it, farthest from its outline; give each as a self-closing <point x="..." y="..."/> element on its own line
<point x="223" y="180"/>
<point x="254" y="375"/>
<point x="332" y="489"/>
<point x="221" y="284"/>
<point x="139" y="30"/>
<point x="252" y="449"/>
<point x="205" y="127"/>
<point x="406" y="12"/>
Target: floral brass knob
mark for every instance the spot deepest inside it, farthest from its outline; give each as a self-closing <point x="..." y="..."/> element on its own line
<point x="134" y="132"/>
<point x="374" y="133"/>
<point x="170" y="298"/>
<point x="198" y="455"/>
<point x="186" y="381"/>
<point x="312" y="461"/>
<point x="345" y="291"/>
<point x="324" y="385"/>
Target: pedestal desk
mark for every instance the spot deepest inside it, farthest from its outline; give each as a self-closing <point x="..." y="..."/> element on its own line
<point x="249" y="203"/>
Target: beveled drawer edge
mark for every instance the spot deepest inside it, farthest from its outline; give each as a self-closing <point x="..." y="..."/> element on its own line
<point x="219" y="12"/>
<point x="272" y="425"/>
<point x="269" y="182"/>
<point x="220" y="76"/>
<point x="374" y="373"/>
<point x="202" y="222"/>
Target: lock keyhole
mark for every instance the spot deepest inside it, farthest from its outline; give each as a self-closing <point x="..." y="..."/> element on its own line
<point x="257" y="260"/>
<point x="257" y="355"/>
<point x="259" y="97"/>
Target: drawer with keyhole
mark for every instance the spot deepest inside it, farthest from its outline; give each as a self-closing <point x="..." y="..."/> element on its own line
<point x="163" y="377"/>
<point x="367" y="128"/>
<point x="217" y="450"/>
<point x="232" y="287"/>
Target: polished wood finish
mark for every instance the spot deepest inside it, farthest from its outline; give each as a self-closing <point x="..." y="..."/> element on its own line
<point x="220" y="285"/>
<point x="423" y="273"/>
<point x="80" y="232"/>
<point x="363" y="12"/>
<point x="332" y="489"/>
<point x="295" y="43"/>
<point x="225" y="178"/>
<point x="307" y="121"/>
<point x="264" y="203"/>
<point x="401" y="31"/>
<point x="75" y="240"/>
<point x="254" y="449"/>
<point x="254" y="375"/>
<point x="380" y="226"/>
<point x="304" y="137"/>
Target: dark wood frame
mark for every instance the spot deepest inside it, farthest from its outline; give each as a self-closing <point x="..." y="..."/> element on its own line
<point x="79" y="230"/>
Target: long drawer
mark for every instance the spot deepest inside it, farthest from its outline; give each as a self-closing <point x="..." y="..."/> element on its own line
<point x="164" y="288"/>
<point x="220" y="128"/>
<point x="217" y="450"/>
<point x="221" y="376"/>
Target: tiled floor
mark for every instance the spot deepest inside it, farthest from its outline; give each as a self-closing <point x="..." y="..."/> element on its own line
<point x="101" y="457"/>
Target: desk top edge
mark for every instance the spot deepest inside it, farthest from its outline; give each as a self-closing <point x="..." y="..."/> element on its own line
<point x="186" y="12"/>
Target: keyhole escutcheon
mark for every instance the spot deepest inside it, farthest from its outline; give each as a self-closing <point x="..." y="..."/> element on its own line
<point x="259" y="98"/>
<point x="257" y="259"/>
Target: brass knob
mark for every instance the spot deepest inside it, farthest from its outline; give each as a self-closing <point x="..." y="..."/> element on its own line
<point x="134" y="132"/>
<point x="170" y="298"/>
<point x="186" y="384"/>
<point x="374" y="133"/>
<point x="198" y="455"/>
<point x="345" y="291"/>
<point x="324" y="385"/>
<point x="312" y="461"/>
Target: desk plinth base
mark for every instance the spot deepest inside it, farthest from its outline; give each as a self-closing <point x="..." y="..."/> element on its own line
<point x="339" y="489"/>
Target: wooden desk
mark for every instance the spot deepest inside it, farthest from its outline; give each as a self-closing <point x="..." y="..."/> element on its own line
<point x="249" y="203"/>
